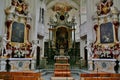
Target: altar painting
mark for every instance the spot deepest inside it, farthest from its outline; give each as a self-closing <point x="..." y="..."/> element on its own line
<point x="17" y="32"/>
<point x="62" y="38"/>
<point x="106" y="33"/>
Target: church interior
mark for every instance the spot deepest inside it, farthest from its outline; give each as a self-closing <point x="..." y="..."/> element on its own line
<point x="60" y="40"/>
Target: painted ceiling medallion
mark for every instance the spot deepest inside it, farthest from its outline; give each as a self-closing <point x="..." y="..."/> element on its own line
<point x="62" y="7"/>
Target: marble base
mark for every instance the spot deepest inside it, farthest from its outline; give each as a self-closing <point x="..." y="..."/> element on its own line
<point x="21" y="64"/>
<point x="2" y="64"/>
<point x="104" y="65"/>
<point x="90" y="65"/>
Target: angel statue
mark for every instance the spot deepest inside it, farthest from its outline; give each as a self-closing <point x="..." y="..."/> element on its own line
<point x="89" y="48"/>
<point x="33" y="48"/>
<point x="4" y="42"/>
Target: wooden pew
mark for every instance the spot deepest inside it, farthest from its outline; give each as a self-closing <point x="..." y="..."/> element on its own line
<point x="6" y="76"/>
<point x="20" y="76"/>
<point x="99" y="76"/>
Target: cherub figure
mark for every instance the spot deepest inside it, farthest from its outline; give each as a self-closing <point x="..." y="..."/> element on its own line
<point x="10" y="11"/>
<point x="4" y="43"/>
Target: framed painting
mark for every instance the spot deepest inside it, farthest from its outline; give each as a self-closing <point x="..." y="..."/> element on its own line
<point x="106" y="33"/>
<point x="18" y="34"/>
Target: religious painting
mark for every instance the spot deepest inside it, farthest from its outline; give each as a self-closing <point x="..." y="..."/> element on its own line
<point x="17" y="32"/>
<point x="61" y="38"/>
<point x="106" y="33"/>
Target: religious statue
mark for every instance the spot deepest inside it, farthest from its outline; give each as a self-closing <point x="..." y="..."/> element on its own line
<point x="17" y="9"/>
<point x="89" y="48"/>
<point x="10" y="11"/>
<point x="33" y="48"/>
<point x="4" y="43"/>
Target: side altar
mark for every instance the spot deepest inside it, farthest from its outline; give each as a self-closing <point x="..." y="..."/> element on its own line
<point x="17" y="53"/>
<point x="105" y="51"/>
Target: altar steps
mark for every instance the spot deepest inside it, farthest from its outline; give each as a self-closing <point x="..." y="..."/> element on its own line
<point x="62" y="69"/>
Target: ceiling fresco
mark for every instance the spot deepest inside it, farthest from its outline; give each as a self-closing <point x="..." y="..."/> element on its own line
<point x="75" y="1"/>
<point x="74" y="4"/>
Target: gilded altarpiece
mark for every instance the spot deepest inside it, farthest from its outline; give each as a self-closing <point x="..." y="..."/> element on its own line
<point x="61" y="29"/>
<point x="62" y="32"/>
<point x="17" y="54"/>
<point x="18" y="24"/>
<point x="106" y="48"/>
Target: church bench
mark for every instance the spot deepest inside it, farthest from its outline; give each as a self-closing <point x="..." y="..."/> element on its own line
<point x="99" y="76"/>
<point x="20" y="76"/>
<point x="6" y="76"/>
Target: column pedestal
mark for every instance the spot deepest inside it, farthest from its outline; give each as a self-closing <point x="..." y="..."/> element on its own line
<point x="2" y="64"/>
<point x="90" y="65"/>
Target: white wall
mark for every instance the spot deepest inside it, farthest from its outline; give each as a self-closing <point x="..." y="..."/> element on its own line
<point x="3" y="5"/>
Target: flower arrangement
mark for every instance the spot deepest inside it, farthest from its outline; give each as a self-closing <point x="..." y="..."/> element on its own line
<point x="108" y="51"/>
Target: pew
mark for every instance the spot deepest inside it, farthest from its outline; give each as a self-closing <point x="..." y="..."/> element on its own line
<point x="20" y="76"/>
<point x="99" y="76"/>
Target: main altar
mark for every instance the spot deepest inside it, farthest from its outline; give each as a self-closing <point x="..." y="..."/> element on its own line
<point x="60" y="40"/>
<point x="105" y="51"/>
<point x="17" y="53"/>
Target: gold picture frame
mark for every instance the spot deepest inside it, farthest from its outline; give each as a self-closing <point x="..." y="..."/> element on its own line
<point x="18" y="34"/>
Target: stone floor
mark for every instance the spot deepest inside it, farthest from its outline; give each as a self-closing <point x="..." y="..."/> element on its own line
<point x="47" y="74"/>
